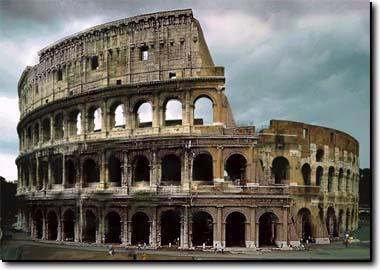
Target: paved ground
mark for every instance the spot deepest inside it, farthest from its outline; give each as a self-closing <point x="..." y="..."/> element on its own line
<point x="20" y="248"/>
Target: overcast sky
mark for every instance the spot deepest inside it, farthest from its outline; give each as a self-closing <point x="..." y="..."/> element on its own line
<point x="305" y="61"/>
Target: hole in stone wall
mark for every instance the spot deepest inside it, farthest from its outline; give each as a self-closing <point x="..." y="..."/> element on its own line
<point x="94" y="63"/>
<point x="306" y="171"/>
<point x="267" y="229"/>
<point x="57" y="170"/>
<point x="90" y="227"/>
<point x="235" y="230"/>
<point x="171" y="170"/>
<point x="202" y="229"/>
<point x="319" y="155"/>
<point x="58" y="126"/>
<point x="141" y="170"/>
<point x="113" y="228"/>
<point x="143" y="115"/>
<point x="114" y="170"/>
<point x="140" y="229"/>
<point x="170" y="228"/>
<point x="280" y="169"/>
<point x="70" y="173"/>
<point x="173" y="113"/>
<point x="68" y="225"/>
<point x="236" y="169"/>
<point x="203" y="111"/>
<point x="330" y="179"/>
<point x="52" y="226"/>
<point x="202" y="168"/>
<point x="46" y="129"/>
<point x="319" y="175"/>
<point x="90" y="172"/>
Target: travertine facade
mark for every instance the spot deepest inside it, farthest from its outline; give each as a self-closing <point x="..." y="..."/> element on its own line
<point x="91" y="169"/>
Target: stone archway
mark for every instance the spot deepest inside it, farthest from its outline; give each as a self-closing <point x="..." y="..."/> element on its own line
<point x="305" y="223"/>
<point x="90" y="228"/>
<point x="113" y="228"/>
<point x="140" y="229"/>
<point x="235" y="230"/>
<point x="38" y="224"/>
<point x="170" y="228"/>
<point x="202" y="229"/>
<point x="268" y="229"/>
<point x="68" y="225"/>
<point x="52" y="224"/>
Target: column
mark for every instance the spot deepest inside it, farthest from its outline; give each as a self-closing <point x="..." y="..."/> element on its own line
<point x="187" y="167"/>
<point x="59" y="229"/>
<point x="219" y="177"/>
<point x="77" y="224"/>
<point x="154" y="228"/>
<point x="185" y="239"/>
<point x="252" y="239"/>
<point x="157" y="113"/>
<point x="63" y="172"/>
<point x="103" y="172"/>
<point x="128" y="115"/>
<point x="124" y="238"/>
<point x="219" y="239"/>
<point x="105" y="118"/>
<point x="284" y="241"/>
<point x="52" y="129"/>
<point x="44" y="229"/>
<point x="186" y="112"/>
<point x="83" y="127"/>
<point x="124" y="177"/>
<point x="66" y="131"/>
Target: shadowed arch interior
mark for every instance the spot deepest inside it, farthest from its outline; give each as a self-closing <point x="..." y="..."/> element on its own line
<point x="170" y="228"/>
<point x="268" y="229"/>
<point x="68" y="225"/>
<point x="90" y="227"/>
<point x="140" y="229"/>
<point x="235" y="230"/>
<point x="235" y="167"/>
<point x="171" y="169"/>
<point x="203" y="168"/>
<point x="113" y="228"/>
<point x="280" y="169"/>
<point x="202" y="229"/>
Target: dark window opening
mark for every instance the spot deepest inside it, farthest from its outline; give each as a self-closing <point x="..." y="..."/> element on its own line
<point x="304" y="217"/>
<point x="46" y="130"/>
<point x="172" y="75"/>
<point x="36" y="135"/>
<point x="52" y="226"/>
<point x="280" y="169"/>
<point x="202" y="168"/>
<point x="305" y="133"/>
<point x="319" y="155"/>
<point x="90" y="172"/>
<point x="38" y="225"/>
<point x="330" y="179"/>
<point x="235" y="230"/>
<point x="306" y="171"/>
<point x="235" y="167"/>
<point x="114" y="170"/>
<point x="113" y="228"/>
<point x="59" y="75"/>
<point x="319" y="175"/>
<point x="118" y="82"/>
<point x="57" y="170"/>
<point x="94" y="63"/>
<point x="68" y="225"/>
<point x="141" y="170"/>
<point x="58" y="126"/>
<point x="140" y="229"/>
<point x="332" y="137"/>
<point x="331" y="223"/>
<point x="202" y="230"/>
<point x="70" y="173"/>
<point x="170" y="228"/>
<point x="267" y="229"/>
<point x="171" y="170"/>
<point x="90" y="227"/>
<point x="340" y="179"/>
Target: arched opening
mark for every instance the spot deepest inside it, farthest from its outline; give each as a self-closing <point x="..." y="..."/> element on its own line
<point x="46" y="130"/>
<point x="331" y="223"/>
<point x="113" y="228"/>
<point x="319" y="175"/>
<point x="143" y="112"/>
<point x="170" y="228"/>
<point x="68" y="225"/>
<point x="43" y="174"/>
<point x="173" y="112"/>
<point x="330" y="180"/>
<point x="75" y="123"/>
<point x="202" y="168"/>
<point x="306" y="171"/>
<point x="280" y="169"/>
<point x="114" y="170"/>
<point x="319" y="155"/>
<point x="141" y="170"/>
<point x="29" y="136"/>
<point x="117" y="116"/>
<point x="70" y="173"/>
<point x="26" y="174"/>
<point x="340" y="179"/>
<point x="203" y="111"/>
<point x="304" y="218"/>
<point x="56" y="167"/>
<point x="140" y="229"/>
<point x="52" y="224"/>
<point x="58" y="126"/>
<point x="36" y="134"/>
<point x="235" y="167"/>
<point x="348" y="219"/>
<point x="202" y="229"/>
<point x="94" y="119"/>
<point x="38" y="224"/>
<point x="171" y="170"/>
<point x="235" y="230"/>
<point x="268" y="229"/>
<point x="90" y="172"/>
<point x="90" y="227"/>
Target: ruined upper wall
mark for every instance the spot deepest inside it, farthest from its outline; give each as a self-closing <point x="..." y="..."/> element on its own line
<point x="296" y="133"/>
<point x="151" y="47"/>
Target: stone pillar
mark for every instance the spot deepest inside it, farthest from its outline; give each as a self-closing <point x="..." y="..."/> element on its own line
<point x="186" y="113"/>
<point x="285" y="226"/>
<point x="105" y="118"/>
<point x="185" y="235"/>
<point x="60" y="226"/>
<point x="153" y="231"/>
<point x="219" y="176"/>
<point x="157" y="115"/>
<point x="124" y="177"/>
<point x="44" y="225"/>
<point x="153" y="175"/>
<point x="251" y="243"/>
<point x="83" y="126"/>
<point x="52" y="129"/>
<point x="187" y="167"/>
<point x="63" y="171"/>
<point x="124" y="238"/>
<point x="77" y="225"/>
<point x="103" y="172"/>
<point x="219" y="238"/>
<point x="128" y="116"/>
<point x="66" y="131"/>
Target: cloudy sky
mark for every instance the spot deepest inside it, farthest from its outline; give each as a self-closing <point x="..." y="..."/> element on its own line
<point x="305" y="61"/>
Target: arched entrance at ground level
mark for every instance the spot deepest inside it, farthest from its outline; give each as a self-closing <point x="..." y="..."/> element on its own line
<point x="140" y="229"/>
<point x="331" y="223"/>
<point x="235" y="230"/>
<point x="113" y="228"/>
<point x="304" y="219"/>
<point x="52" y="223"/>
<point x="202" y="229"/>
<point x="90" y="225"/>
<point x="38" y="224"/>
<point x="170" y="228"/>
<point x="268" y="229"/>
<point x="68" y="225"/>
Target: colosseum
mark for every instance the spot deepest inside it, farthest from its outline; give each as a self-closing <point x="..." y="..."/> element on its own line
<point x="103" y="158"/>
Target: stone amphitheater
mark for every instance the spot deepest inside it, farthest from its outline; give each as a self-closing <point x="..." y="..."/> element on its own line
<point x="104" y="159"/>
